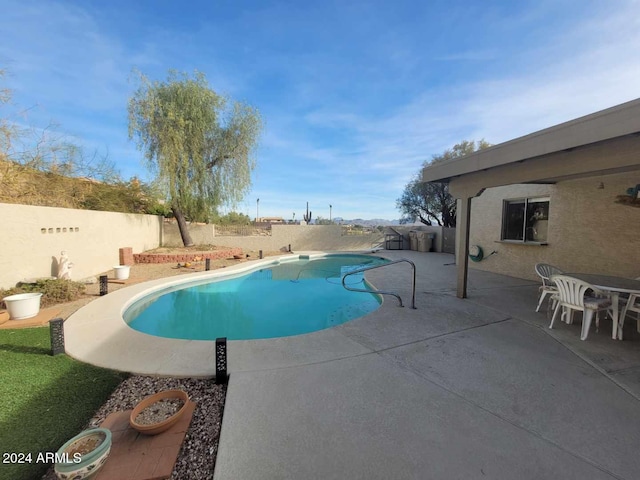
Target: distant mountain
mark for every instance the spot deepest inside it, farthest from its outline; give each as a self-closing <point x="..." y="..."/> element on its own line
<point x="374" y="222"/>
<point x="369" y="223"/>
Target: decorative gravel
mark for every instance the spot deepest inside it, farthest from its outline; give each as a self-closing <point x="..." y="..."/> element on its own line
<point x="159" y="411"/>
<point x="197" y="456"/>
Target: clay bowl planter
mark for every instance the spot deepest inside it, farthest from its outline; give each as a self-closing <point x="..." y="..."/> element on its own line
<point x="164" y="423"/>
<point x="22" y="305"/>
<point x="83" y="455"/>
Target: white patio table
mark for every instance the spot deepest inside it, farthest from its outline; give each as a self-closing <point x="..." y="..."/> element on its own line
<point x="615" y="286"/>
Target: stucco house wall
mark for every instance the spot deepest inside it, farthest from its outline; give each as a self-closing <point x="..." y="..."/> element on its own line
<point x="33" y="238"/>
<point x="587" y="230"/>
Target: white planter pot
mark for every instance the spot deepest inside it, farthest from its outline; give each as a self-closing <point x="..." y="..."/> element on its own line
<point x="121" y="272"/>
<point x="22" y="305"/>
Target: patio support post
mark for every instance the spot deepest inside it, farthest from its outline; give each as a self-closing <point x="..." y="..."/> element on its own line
<point x="464" y="222"/>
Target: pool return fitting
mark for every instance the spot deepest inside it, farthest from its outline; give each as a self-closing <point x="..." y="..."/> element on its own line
<point x="381" y="292"/>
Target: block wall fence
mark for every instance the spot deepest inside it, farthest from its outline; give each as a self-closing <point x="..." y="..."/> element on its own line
<point x="300" y="237"/>
<point x="33" y="238"/>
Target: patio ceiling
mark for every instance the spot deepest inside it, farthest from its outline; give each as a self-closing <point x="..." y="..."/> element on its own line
<point x="602" y="143"/>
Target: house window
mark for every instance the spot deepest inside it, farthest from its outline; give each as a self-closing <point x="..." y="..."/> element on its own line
<point x="525" y="220"/>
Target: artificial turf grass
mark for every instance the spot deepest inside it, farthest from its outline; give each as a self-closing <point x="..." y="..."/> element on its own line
<point x="44" y="400"/>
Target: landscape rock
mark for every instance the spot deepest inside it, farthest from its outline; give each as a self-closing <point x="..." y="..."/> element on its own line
<point x="197" y="456"/>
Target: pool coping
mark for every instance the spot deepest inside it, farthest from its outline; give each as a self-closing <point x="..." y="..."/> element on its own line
<point x="97" y="334"/>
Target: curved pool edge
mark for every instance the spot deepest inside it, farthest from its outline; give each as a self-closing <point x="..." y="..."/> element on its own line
<point x="97" y="334"/>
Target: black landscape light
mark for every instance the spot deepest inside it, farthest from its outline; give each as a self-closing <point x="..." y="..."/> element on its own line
<point x="221" y="360"/>
<point x="56" y="332"/>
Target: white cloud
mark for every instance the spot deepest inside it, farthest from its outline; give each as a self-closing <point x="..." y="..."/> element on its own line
<point x="350" y="116"/>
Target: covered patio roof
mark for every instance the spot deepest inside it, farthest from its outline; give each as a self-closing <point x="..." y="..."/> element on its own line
<point x="601" y="143"/>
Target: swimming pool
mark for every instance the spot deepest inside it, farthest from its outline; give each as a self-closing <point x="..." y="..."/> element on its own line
<point x="287" y="298"/>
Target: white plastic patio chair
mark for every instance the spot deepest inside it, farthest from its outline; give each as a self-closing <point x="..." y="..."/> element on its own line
<point x="545" y="271"/>
<point x="572" y="296"/>
<point x="633" y="305"/>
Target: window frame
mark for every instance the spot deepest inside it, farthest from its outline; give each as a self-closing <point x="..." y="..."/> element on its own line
<point x="526" y="200"/>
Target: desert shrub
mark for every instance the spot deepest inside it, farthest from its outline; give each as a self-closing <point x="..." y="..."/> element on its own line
<point x="232" y="218"/>
<point x="30" y="186"/>
<point x="53" y="291"/>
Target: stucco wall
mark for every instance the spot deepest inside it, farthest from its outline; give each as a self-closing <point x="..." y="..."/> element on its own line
<point x="300" y="237"/>
<point x="92" y="240"/>
<point x="587" y="232"/>
<point x="200" y="234"/>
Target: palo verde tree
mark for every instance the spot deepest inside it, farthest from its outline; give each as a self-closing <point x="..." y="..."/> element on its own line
<point x="431" y="202"/>
<point x="199" y="144"/>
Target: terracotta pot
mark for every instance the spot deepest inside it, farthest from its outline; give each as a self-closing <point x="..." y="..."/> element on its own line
<point x="160" y="427"/>
<point x="77" y="465"/>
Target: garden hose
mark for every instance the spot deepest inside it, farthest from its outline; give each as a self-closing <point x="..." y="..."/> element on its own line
<point x="475" y="253"/>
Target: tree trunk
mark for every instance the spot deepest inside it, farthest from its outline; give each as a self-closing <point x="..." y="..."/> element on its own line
<point x="182" y="225"/>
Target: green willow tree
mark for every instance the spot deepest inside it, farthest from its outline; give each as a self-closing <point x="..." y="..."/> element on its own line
<point x="199" y="144"/>
<point x="431" y="202"/>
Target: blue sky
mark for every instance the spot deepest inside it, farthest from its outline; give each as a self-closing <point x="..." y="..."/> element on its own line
<point x="355" y="95"/>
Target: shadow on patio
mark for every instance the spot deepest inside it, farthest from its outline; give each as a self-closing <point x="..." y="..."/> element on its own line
<point x="514" y="298"/>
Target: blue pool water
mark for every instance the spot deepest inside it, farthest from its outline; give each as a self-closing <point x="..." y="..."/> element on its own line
<point x="290" y="298"/>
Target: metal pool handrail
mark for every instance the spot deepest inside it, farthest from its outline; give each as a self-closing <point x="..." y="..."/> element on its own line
<point x="364" y="269"/>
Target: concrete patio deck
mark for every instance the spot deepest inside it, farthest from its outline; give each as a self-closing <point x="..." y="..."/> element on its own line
<point x="457" y="389"/>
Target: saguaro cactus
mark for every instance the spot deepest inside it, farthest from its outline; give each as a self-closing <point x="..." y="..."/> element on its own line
<point x="307" y="216"/>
